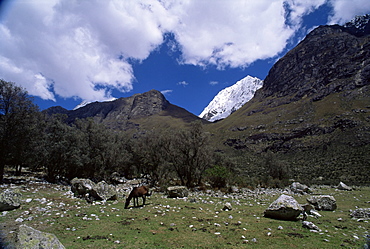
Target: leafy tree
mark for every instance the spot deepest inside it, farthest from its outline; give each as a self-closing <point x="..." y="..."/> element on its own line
<point x="189" y="153"/>
<point x="18" y="125"/>
<point x="61" y="155"/>
<point x="149" y="150"/>
<point x="103" y="150"/>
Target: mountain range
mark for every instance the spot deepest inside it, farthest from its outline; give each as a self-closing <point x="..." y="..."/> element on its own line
<point x="311" y="117"/>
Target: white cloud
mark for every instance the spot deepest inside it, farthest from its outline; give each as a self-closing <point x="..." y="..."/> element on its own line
<point x="166" y="92"/>
<point x="182" y="83"/>
<point x="213" y="83"/>
<point x="345" y="10"/>
<point x="79" y="47"/>
<point x="83" y="48"/>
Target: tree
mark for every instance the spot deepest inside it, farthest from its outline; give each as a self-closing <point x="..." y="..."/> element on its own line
<point x="190" y="153"/>
<point x="149" y="151"/>
<point x="18" y="123"/>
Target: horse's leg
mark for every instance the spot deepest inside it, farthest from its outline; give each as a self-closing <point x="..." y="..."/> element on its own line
<point x="127" y="202"/>
<point x="144" y="197"/>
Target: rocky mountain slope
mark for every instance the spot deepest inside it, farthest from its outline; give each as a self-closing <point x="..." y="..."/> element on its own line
<point x="313" y="112"/>
<point x="231" y="99"/>
<point x="148" y="109"/>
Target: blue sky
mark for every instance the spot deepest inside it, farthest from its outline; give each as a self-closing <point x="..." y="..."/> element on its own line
<point x="64" y="52"/>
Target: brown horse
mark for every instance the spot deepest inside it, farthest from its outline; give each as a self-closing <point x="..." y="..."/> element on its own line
<point x="137" y="192"/>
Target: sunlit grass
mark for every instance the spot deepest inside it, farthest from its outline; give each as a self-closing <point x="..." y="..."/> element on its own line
<point x="195" y="222"/>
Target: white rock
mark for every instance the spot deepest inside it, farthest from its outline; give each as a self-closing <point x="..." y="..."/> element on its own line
<point x="19" y="220"/>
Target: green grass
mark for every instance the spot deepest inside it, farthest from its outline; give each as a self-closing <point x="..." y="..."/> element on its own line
<point x="181" y="223"/>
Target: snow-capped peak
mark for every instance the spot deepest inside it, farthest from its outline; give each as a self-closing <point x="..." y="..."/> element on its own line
<point x="231" y="99"/>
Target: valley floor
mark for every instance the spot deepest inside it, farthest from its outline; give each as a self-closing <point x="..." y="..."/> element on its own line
<point x="197" y="221"/>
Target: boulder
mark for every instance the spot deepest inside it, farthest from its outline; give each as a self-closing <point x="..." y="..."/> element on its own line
<point x="227" y="207"/>
<point x="87" y="189"/>
<point x="104" y="191"/>
<point x="31" y="238"/>
<point x="177" y="192"/>
<point x="323" y="202"/>
<point x="10" y="199"/>
<point x="81" y="187"/>
<point x="284" y="208"/>
<point x="343" y="186"/>
<point x="361" y="213"/>
<point x="299" y="188"/>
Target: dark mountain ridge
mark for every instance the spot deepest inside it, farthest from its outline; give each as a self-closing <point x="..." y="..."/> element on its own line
<point x="124" y="113"/>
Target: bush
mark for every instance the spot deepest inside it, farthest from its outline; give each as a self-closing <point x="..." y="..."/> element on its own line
<point x="217" y="176"/>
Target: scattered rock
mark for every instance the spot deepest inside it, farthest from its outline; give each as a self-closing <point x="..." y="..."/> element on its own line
<point x="227" y="206"/>
<point x="116" y="178"/>
<point x="10" y="199"/>
<point x="361" y="213"/>
<point x="323" y="202"/>
<point x="177" y="192"/>
<point x="31" y="238"/>
<point x="299" y="188"/>
<point x="343" y="186"/>
<point x="310" y="225"/>
<point x="284" y="208"/>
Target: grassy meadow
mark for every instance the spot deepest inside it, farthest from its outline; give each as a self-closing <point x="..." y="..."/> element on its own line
<point x="198" y="221"/>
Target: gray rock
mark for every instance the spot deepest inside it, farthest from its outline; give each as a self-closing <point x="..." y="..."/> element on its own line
<point x="343" y="186"/>
<point x="81" y="187"/>
<point x="361" y="213"/>
<point x="10" y="199"/>
<point x="31" y="238"/>
<point x="323" y="202"/>
<point x="87" y="189"/>
<point x="310" y="225"/>
<point x="284" y="208"/>
<point x="227" y="206"/>
<point x="177" y="191"/>
<point x="104" y="191"/>
<point x="299" y="188"/>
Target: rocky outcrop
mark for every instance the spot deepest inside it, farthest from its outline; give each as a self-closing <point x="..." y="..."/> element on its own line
<point x="284" y="208"/>
<point x="330" y="59"/>
<point x="323" y="202"/>
<point x="10" y="199"/>
<point x="31" y="238"/>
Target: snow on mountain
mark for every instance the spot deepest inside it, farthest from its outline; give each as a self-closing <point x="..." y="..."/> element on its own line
<point x="231" y="99"/>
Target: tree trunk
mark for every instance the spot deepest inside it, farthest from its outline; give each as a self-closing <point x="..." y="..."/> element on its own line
<point x="2" y="166"/>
